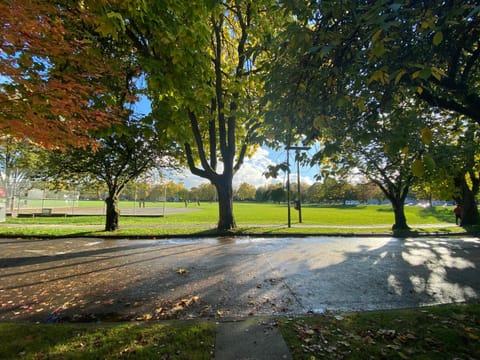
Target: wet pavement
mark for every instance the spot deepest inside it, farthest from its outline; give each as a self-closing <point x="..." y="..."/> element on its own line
<point x="94" y="279"/>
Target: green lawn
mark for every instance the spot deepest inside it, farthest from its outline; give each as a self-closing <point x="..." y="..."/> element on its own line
<point x="441" y="332"/>
<point x="251" y="218"/>
<point x="152" y="340"/>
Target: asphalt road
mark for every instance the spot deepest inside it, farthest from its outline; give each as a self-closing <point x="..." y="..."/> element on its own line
<point x="96" y="279"/>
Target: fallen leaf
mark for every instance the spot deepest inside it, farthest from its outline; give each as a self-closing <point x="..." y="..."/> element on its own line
<point x="205" y="310"/>
<point x="406" y="337"/>
<point x="182" y="271"/>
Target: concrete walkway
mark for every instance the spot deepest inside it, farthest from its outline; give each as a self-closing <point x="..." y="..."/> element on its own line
<point x="253" y="338"/>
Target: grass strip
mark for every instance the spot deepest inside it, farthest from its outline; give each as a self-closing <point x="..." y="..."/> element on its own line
<point x="437" y="332"/>
<point x="202" y="231"/>
<point x="148" y="340"/>
<point x="440" y="332"/>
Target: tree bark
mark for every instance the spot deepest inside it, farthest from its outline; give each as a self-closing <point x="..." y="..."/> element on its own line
<point x="470" y="215"/>
<point x="397" y="193"/>
<point x="226" y="220"/>
<point x="400" y="218"/>
<point x="113" y="213"/>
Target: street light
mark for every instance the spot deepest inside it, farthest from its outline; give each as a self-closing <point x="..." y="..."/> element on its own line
<point x="297" y="149"/>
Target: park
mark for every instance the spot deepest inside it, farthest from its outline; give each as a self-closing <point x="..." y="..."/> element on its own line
<point x="104" y="255"/>
<point x="68" y="270"/>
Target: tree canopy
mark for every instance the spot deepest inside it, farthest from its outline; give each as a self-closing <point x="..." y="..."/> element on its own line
<point x="202" y="68"/>
<point x="343" y="66"/>
<point x="51" y="72"/>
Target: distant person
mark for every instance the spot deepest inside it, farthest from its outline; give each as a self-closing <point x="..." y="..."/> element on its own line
<point x="458" y="214"/>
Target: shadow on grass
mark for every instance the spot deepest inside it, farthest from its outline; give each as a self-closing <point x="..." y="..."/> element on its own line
<point x="338" y="206"/>
<point x="440" y="213"/>
<point x="385" y="209"/>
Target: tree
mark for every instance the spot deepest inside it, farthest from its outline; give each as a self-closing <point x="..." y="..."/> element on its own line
<point x="358" y="57"/>
<point x="202" y="68"/>
<point x="170" y="190"/>
<point x="367" y="191"/>
<point x="138" y="190"/>
<point x="431" y="48"/>
<point x="245" y="192"/>
<point x="130" y="150"/>
<point x="277" y="194"/>
<point x="385" y="149"/>
<point x="18" y="161"/>
<point x="456" y="174"/>
<point x="203" y="192"/>
<point x="314" y="193"/>
<point x="50" y="73"/>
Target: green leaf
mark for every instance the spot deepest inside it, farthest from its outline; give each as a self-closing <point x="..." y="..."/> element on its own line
<point x="428" y="162"/>
<point x="379" y="76"/>
<point x="437" y="38"/>
<point x="418" y="168"/>
<point x="437" y="73"/>
<point x="399" y="76"/>
<point x="427" y="136"/>
<point x="377" y="35"/>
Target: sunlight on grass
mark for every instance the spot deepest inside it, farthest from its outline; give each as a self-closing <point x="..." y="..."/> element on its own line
<point x="251" y="218"/>
<point x="133" y="341"/>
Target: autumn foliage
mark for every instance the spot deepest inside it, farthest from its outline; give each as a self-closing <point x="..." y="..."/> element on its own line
<point x="52" y="73"/>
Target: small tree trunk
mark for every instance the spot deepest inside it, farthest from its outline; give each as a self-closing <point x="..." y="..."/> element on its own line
<point x="113" y="213"/>
<point x="226" y="220"/>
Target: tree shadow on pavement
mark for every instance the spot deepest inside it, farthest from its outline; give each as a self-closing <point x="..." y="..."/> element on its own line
<point x="231" y="277"/>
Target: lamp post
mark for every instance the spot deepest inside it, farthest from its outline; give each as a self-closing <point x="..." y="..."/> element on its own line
<point x="297" y="149"/>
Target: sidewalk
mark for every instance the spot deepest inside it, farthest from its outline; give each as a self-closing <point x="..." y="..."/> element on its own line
<point x="252" y="338"/>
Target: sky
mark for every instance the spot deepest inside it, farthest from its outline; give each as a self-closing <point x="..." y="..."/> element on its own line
<point x="252" y="169"/>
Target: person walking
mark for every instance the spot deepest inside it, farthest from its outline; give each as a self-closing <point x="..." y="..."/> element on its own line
<point x="458" y="214"/>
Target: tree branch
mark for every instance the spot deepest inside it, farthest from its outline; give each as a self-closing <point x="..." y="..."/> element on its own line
<point x="471" y="110"/>
<point x="207" y="169"/>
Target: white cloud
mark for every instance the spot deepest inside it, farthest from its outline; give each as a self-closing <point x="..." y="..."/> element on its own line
<point x="251" y="172"/>
<point x="253" y="168"/>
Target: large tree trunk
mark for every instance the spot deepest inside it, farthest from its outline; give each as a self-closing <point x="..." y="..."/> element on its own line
<point x="470" y="215"/>
<point x="397" y="195"/>
<point x="400" y="218"/>
<point x="226" y="219"/>
<point x="113" y="213"/>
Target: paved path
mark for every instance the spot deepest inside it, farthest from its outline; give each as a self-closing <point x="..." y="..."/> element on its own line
<point x="232" y="277"/>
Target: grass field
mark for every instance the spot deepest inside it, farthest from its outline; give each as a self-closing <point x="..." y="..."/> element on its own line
<point x="251" y="218"/>
<point x="262" y="213"/>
